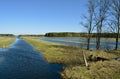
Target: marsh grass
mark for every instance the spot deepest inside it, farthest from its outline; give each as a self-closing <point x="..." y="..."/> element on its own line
<point x="98" y="70"/>
<point x="72" y="58"/>
<point x="6" y="41"/>
<point x="103" y="54"/>
<point x="68" y="55"/>
<point x="57" y="53"/>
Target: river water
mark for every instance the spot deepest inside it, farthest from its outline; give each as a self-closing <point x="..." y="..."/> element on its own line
<point x="21" y="61"/>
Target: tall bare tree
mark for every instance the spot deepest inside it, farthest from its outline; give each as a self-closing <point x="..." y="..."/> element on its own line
<point x="116" y="19"/>
<point x="89" y="20"/>
<point x="100" y="18"/>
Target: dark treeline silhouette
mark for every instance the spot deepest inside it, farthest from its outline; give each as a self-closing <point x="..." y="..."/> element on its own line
<point x="73" y="34"/>
<point x="31" y="35"/>
<point x="64" y="34"/>
<point x="6" y="35"/>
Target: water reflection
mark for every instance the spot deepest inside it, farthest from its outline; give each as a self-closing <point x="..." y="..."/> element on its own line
<point x="21" y="61"/>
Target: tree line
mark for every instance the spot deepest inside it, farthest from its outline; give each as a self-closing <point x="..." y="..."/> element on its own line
<point x="102" y="15"/>
<point x="64" y="34"/>
<point x="31" y="35"/>
<point x="6" y="35"/>
<point x="73" y="34"/>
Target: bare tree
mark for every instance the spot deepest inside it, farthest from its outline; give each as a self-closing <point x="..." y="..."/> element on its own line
<point x="100" y="18"/>
<point x="116" y="19"/>
<point x="89" y="20"/>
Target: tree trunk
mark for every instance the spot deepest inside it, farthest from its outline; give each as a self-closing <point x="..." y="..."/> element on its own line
<point x="116" y="46"/>
<point x="98" y="39"/>
<point x="88" y="43"/>
<point x="117" y="35"/>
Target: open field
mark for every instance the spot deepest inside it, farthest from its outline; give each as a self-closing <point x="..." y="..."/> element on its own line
<point x="72" y="58"/>
<point x="6" y="41"/>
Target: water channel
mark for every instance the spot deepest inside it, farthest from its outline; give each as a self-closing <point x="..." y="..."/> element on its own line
<point x="21" y="61"/>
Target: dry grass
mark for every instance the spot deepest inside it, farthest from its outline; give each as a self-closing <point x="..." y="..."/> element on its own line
<point x="98" y="70"/>
<point x="103" y="54"/>
<point x="56" y="53"/>
<point x="6" y="41"/>
<point x="72" y="57"/>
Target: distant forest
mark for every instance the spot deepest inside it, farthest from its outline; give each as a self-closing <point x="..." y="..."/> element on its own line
<point x="32" y="35"/>
<point x="73" y="34"/>
<point x="6" y="35"/>
<point x="66" y="34"/>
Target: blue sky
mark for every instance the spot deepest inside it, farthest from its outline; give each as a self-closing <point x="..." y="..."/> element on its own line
<point x="41" y="16"/>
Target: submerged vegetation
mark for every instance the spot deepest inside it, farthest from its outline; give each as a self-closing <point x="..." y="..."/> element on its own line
<point x="6" y="41"/>
<point x="100" y="63"/>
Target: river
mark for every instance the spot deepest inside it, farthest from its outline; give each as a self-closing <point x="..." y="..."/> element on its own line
<point x="21" y="61"/>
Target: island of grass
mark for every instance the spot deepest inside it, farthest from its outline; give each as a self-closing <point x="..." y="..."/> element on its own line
<point x="72" y="58"/>
<point x="6" y="41"/>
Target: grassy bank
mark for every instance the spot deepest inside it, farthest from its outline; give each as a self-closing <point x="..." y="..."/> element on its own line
<point x="72" y="57"/>
<point x="97" y="70"/>
<point x="56" y="53"/>
<point x="6" y="41"/>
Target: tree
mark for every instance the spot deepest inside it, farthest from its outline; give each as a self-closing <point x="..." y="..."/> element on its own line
<point x="89" y="21"/>
<point x="116" y="19"/>
<point x="100" y="18"/>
